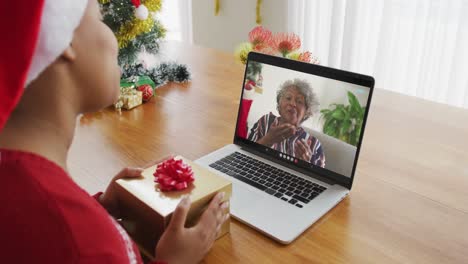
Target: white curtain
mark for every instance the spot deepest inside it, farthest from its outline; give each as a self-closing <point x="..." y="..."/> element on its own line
<point x="176" y="16"/>
<point x="415" y="47"/>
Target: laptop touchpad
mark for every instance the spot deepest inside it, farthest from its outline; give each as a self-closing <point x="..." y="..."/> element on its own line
<point x="243" y="199"/>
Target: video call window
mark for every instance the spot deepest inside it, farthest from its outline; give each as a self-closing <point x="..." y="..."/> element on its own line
<point x="311" y="118"/>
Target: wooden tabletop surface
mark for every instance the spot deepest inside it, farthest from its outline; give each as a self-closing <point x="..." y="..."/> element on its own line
<point x="409" y="202"/>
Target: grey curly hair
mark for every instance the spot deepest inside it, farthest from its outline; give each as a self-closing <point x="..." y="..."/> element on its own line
<point x="311" y="100"/>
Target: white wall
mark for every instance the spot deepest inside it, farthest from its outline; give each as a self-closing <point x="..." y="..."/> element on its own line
<point x="235" y="20"/>
<point x="328" y="92"/>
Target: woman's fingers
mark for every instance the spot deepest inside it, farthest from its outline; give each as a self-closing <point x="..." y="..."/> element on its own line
<point x="308" y="153"/>
<point x="180" y="214"/>
<point x="299" y="150"/>
<point x="222" y="217"/>
<point x="287" y="130"/>
<point x="303" y="149"/>
<point x="210" y="217"/>
<point x="216" y="201"/>
<point x="222" y="213"/>
<point x="219" y="211"/>
<point x="301" y="146"/>
<point x="129" y="173"/>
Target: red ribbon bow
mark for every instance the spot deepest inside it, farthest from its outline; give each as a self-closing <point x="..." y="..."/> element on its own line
<point x="173" y="175"/>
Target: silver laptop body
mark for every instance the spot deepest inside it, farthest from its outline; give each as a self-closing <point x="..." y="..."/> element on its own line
<point x="282" y="207"/>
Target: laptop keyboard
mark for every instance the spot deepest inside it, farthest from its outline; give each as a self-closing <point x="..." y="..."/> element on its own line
<point x="276" y="182"/>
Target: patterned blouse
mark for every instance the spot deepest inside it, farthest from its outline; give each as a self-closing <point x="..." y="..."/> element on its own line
<point x="287" y="146"/>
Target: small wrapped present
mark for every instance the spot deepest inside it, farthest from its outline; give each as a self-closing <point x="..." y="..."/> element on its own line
<point x="129" y="98"/>
<point x="147" y="206"/>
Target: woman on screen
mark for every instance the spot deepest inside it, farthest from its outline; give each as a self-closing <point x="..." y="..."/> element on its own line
<point x="296" y="102"/>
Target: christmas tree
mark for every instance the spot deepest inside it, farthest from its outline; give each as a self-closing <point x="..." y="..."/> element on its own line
<point x="135" y="26"/>
<point x="137" y="29"/>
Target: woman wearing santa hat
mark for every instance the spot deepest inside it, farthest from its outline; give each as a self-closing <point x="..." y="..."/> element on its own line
<point x="58" y="59"/>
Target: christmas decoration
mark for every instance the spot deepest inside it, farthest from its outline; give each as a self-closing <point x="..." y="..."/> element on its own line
<point x="162" y="74"/>
<point x="142" y="12"/>
<point x="258" y="6"/>
<point x="253" y="78"/>
<point x="249" y="85"/>
<point x="129" y="98"/>
<point x="147" y="91"/>
<point x="137" y="29"/>
<point x="258" y="19"/>
<point x="137" y="81"/>
<point x="173" y="175"/>
<point x="134" y="29"/>
<point x="217" y="7"/>
<point x="131" y="89"/>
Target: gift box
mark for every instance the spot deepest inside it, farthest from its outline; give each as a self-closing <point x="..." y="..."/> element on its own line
<point x="146" y="210"/>
<point x="129" y="98"/>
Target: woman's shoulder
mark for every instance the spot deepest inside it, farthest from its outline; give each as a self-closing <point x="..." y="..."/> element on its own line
<point x="34" y="213"/>
<point x="271" y="115"/>
<point x="267" y="118"/>
<point x="34" y="172"/>
<point x="36" y="182"/>
<point x="267" y="115"/>
<point x="46" y="202"/>
<point x="25" y="166"/>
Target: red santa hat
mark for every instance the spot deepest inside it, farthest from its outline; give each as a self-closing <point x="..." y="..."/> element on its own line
<point x="34" y="34"/>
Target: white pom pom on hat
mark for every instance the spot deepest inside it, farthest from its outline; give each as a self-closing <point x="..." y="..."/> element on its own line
<point x="37" y="34"/>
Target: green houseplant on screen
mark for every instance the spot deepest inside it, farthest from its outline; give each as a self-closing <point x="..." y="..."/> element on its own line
<point x="344" y="122"/>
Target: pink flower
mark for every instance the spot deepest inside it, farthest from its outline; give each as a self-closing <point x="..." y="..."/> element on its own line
<point x="260" y="37"/>
<point x="265" y="49"/>
<point x="313" y="59"/>
<point x="305" y="56"/>
<point x="285" y="43"/>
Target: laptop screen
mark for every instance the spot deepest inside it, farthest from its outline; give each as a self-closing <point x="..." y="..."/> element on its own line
<point x="304" y="115"/>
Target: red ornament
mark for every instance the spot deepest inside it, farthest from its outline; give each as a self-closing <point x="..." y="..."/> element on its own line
<point x="147" y="92"/>
<point x="136" y="3"/>
<point x="173" y="175"/>
<point x="249" y="85"/>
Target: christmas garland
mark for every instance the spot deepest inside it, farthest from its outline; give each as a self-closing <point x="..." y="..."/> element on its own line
<point x="161" y="74"/>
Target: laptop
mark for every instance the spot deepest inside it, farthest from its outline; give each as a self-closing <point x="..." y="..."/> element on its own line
<point x="296" y="144"/>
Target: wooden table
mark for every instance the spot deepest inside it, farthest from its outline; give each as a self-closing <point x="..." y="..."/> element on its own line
<point x="409" y="203"/>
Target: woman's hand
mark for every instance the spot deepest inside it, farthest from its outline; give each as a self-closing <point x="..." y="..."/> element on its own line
<point x="277" y="133"/>
<point x="109" y="198"/>
<point x="302" y="150"/>
<point x="189" y="245"/>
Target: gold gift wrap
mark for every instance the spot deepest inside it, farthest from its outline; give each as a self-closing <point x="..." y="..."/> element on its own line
<point x="146" y="211"/>
<point x="129" y="98"/>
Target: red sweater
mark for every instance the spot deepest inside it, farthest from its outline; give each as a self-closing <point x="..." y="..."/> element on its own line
<point x="45" y="217"/>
